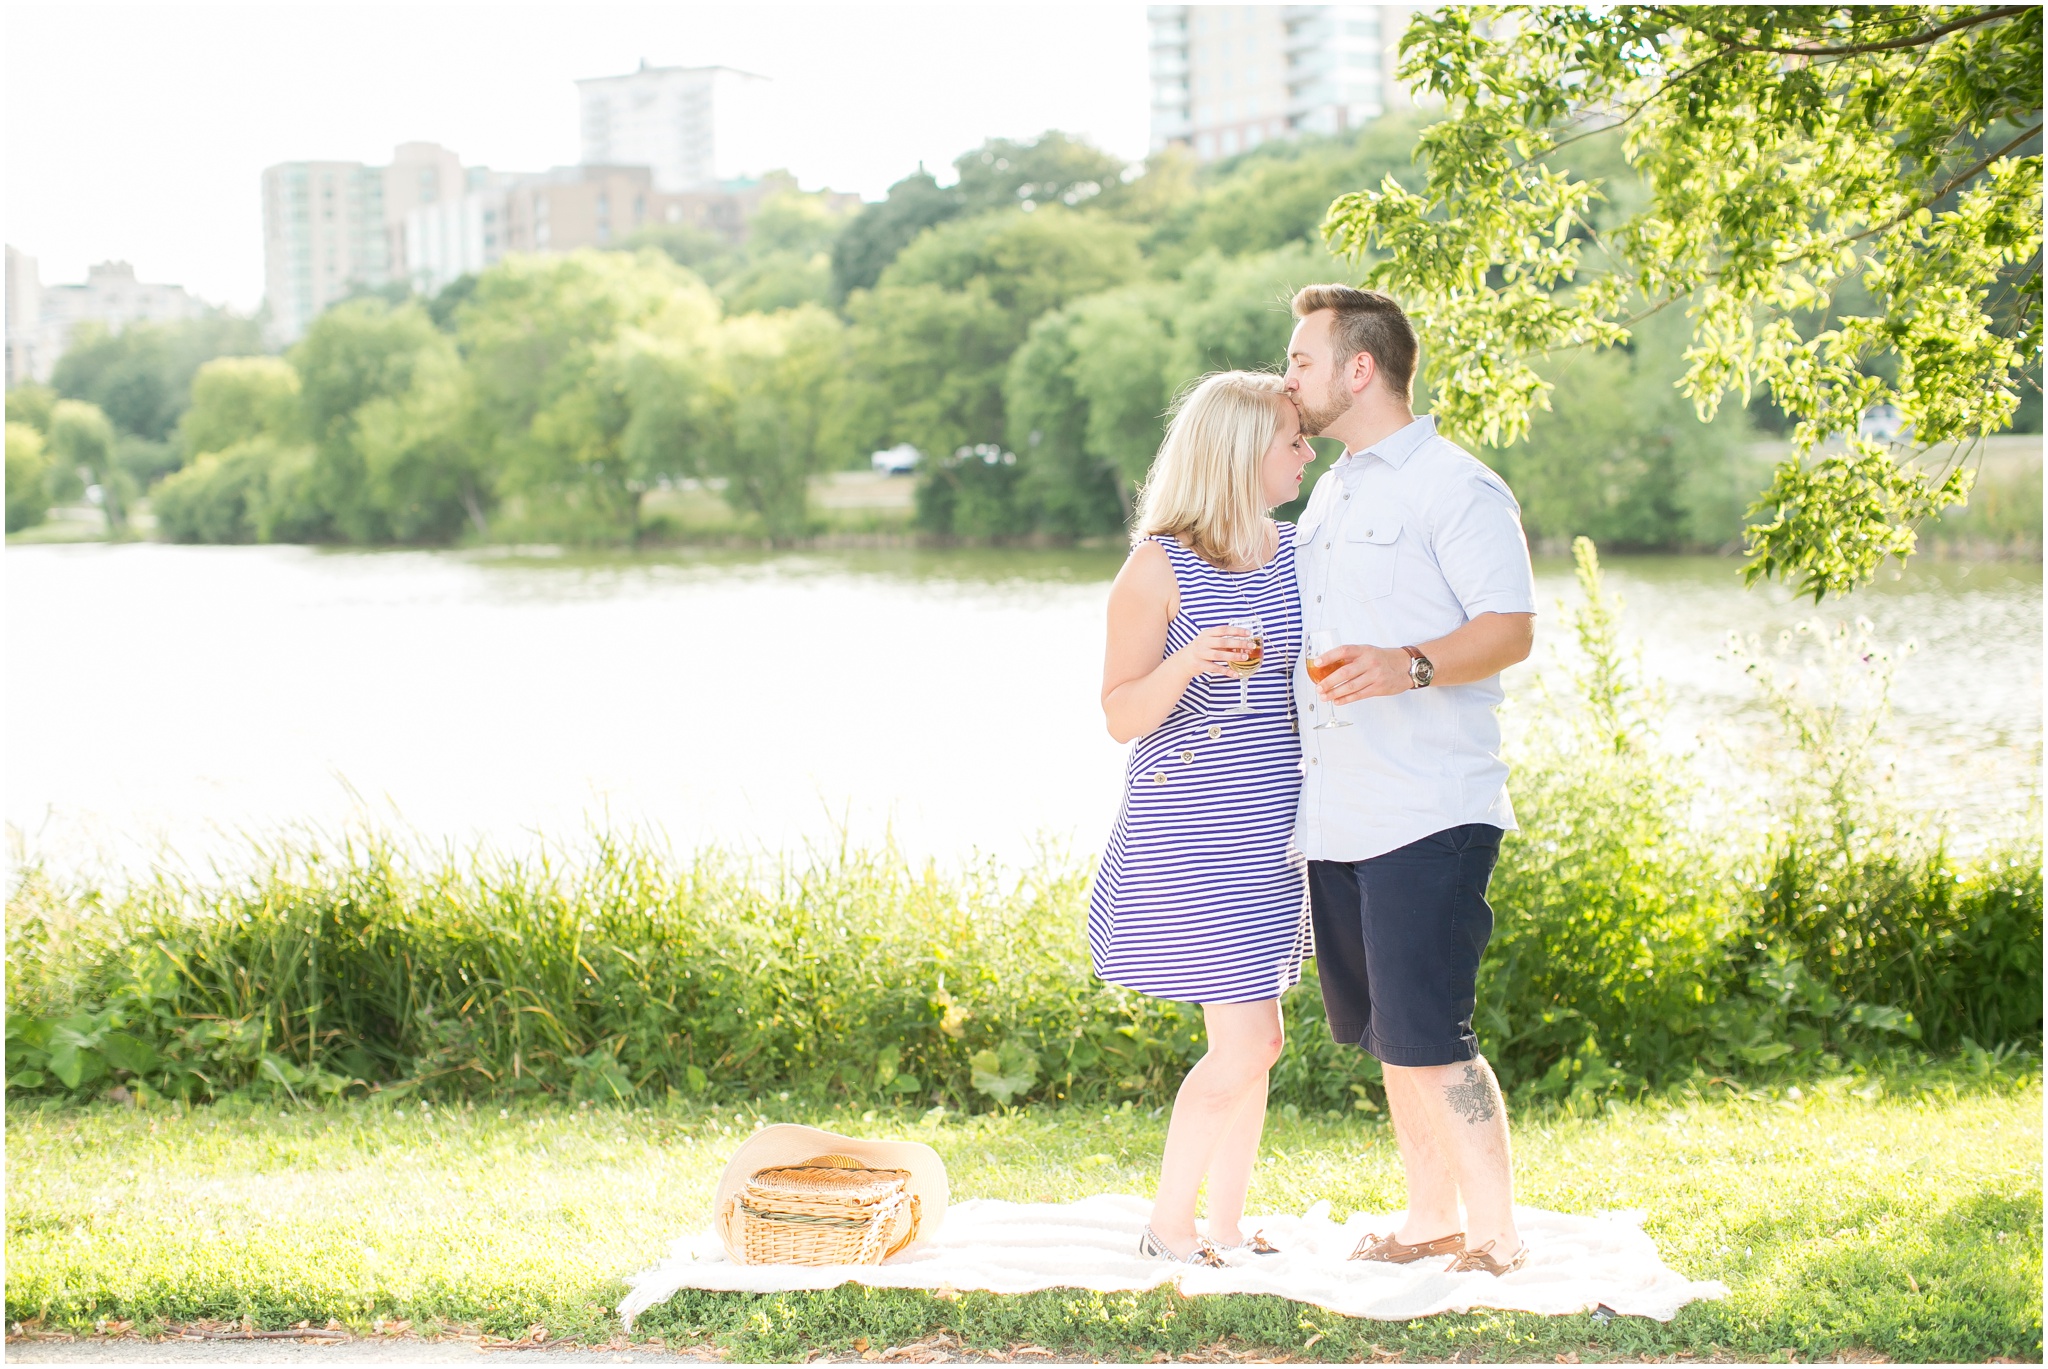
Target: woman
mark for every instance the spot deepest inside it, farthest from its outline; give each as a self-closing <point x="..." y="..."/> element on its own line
<point x="1200" y="898"/>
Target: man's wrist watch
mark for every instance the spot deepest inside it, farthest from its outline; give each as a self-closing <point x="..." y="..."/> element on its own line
<point x="1420" y="671"/>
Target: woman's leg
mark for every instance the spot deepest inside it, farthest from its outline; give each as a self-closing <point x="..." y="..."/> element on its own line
<point x="1207" y="1130"/>
<point x="1230" y="1168"/>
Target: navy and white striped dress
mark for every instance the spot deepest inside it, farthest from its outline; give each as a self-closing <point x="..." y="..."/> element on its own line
<point x="1201" y="897"/>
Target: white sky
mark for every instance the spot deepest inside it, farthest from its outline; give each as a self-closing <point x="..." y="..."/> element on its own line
<point x="139" y="132"/>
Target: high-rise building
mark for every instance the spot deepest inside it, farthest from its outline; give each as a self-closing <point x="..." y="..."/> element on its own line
<point x="693" y="127"/>
<point x="331" y="228"/>
<point x="24" y="315"/>
<point x="572" y="207"/>
<point x="323" y="237"/>
<point x="1226" y="78"/>
<point x="420" y="174"/>
<point x="549" y="211"/>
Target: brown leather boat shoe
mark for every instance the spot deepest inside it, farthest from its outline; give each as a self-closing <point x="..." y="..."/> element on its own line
<point x="1387" y="1250"/>
<point x="1481" y="1261"/>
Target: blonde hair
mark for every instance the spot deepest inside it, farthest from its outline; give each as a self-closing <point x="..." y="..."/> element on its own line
<point x="1204" y="487"/>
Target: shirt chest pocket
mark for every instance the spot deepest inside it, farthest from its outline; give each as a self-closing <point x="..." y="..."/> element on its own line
<point x="1364" y="559"/>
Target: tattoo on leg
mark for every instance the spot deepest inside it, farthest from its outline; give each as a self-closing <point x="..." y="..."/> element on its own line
<point x="1473" y="1099"/>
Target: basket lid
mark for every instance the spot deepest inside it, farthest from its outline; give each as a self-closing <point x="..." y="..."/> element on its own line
<point x="786" y="1146"/>
<point x="838" y="1182"/>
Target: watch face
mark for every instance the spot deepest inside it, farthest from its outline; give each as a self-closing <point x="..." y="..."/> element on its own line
<point x="1422" y="670"/>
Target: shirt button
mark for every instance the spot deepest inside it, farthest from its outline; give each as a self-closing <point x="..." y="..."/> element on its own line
<point x="1187" y="758"/>
<point x="1215" y="734"/>
<point x="1326" y="546"/>
<point x="1158" y="777"/>
<point x="1313" y="761"/>
<point x="1368" y="532"/>
<point x="1319" y="598"/>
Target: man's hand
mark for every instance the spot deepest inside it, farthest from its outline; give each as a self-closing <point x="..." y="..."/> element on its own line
<point x="1481" y="648"/>
<point x="1367" y="672"/>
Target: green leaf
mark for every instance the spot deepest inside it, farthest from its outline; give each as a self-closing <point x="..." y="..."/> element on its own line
<point x="26" y="1079"/>
<point x="129" y="1053"/>
<point x="1003" y="1076"/>
<point x="74" y="1064"/>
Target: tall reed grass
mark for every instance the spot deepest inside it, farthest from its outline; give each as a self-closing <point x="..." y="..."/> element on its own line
<point x="1630" y="948"/>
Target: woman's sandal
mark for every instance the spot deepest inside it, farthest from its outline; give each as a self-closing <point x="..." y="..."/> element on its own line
<point x="1387" y="1250"/>
<point x="1254" y="1244"/>
<point x="1204" y="1254"/>
<point x="1481" y="1261"/>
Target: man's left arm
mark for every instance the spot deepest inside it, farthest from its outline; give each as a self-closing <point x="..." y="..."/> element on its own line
<point x="1484" y="557"/>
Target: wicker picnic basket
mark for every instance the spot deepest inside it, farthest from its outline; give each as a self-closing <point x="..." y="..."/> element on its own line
<point x="829" y="1210"/>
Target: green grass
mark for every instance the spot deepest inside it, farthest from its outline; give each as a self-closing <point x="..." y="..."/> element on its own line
<point x="1895" y="1214"/>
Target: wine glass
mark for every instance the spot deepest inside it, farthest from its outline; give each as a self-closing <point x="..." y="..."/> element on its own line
<point x="1320" y="643"/>
<point x="1245" y="669"/>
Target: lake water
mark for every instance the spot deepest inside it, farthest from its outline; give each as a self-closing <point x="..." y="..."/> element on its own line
<point x="165" y="703"/>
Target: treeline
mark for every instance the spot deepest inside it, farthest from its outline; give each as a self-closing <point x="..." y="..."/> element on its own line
<point x="1024" y="327"/>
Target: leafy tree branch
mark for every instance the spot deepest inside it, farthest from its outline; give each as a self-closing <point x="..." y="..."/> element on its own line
<point x="1788" y="153"/>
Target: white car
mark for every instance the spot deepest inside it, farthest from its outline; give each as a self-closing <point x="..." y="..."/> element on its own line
<point x="900" y="459"/>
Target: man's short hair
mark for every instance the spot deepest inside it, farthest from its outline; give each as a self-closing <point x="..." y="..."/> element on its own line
<point x="1370" y="322"/>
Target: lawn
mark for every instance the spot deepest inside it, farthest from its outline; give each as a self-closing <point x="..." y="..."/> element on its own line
<point x="1896" y="1215"/>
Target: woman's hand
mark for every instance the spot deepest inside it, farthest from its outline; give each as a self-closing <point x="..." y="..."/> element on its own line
<point x="1214" y="650"/>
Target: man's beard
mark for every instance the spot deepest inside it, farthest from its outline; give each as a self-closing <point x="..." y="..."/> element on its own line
<point x="1317" y="418"/>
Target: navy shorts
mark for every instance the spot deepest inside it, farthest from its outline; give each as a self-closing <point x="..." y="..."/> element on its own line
<point x="1398" y="941"/>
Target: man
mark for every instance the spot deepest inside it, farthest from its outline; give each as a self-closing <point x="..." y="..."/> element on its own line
<point x="1413" y="553"/>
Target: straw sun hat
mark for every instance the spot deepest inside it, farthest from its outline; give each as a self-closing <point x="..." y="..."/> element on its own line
<point x="786" y="1144"/>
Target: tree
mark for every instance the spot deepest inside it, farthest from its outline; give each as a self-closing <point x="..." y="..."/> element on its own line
<point x="778" y="414"/>
<point x="929" y="362"/>
<point x="1029" y="262"/>
<point x="357" y="352"/>
<point x="81" y="439"/>
<point x="547" y="341"/>
<point x="709" y="255"/>
<point x="259" y="489"/>
<point x="234" y="398"/>
<point x="1279" y="194"/>
<point x="881" y="230"/>
<point x="1054" y="168"/>
<point x="1088" y="393"/>
<point x="1788" y="151"/>
<point x="933" y="339"/>
<point x="424" y="452"/>
<point x="28" y="477"/>
<point x="30" y="404"/>
<point x="141" y="377"/>
<point x="1622" y="459"/>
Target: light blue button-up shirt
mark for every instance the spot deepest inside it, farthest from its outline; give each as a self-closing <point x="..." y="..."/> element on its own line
<point x="1400" y="544"/>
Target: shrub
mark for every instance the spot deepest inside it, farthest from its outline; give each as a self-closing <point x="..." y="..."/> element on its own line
<point x="28" y="477"/>
<point x="258" y="490"/>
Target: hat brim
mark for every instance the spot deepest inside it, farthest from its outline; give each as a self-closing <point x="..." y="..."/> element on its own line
<point x="786" y="1143"/>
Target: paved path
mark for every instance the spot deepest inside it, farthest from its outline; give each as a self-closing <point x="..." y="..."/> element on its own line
<point x="365" y="1350"/>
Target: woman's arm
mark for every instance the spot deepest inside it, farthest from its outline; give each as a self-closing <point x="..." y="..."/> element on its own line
<point x="1138" y="688"/>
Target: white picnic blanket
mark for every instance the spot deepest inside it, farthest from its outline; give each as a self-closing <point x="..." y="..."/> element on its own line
<point x="1575" y="1263"/>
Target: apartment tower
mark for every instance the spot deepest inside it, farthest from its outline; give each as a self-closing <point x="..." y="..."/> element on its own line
<point x="1226" y="78"/>
<point x="693" y="127"/>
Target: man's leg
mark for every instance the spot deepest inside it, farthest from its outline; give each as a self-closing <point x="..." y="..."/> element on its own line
<point x="1459" y="1111"/>
<point x="1432" y="1174"/>
<point x="1424" y="924"/>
